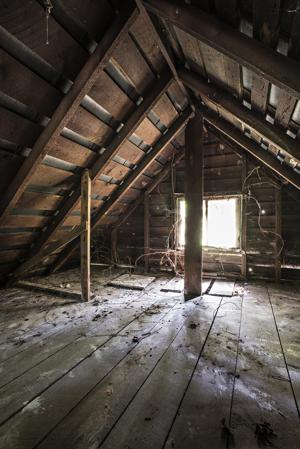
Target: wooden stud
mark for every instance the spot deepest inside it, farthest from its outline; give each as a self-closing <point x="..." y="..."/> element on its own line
<point x="194" y="207"/>
<point x="85" y="239"/>
<point x="244" y="220"/>
<point x="146" y="232"/>
<point x="278" y="230"/>
<point x="114" y="244"/>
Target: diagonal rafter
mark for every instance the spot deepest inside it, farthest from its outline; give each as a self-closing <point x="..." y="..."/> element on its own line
<point x="68" y="106"/>
<point x="133" y="206"/>
<point x="155" y="92"/>
<point x="166" y="138"/>
<point x="223" y="100"/>
<point x="156" y="181"/>
<point x="236" y="136"/>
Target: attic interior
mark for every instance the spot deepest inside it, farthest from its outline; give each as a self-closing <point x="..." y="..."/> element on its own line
<point x="149" y="224"/>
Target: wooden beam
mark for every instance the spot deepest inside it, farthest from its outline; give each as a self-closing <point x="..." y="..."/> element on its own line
<point x="146" y="232"/>
<point x="156" y="91"/>
<point x="222" y="99"/>
<point x="271" y="65"/>
<point x="234" y="135"/>
<point x="55" y="291"/>
<point x="193" y="207"/>
<point x="85" y="238"/>
<point x="68" y="106"/>
<point x="174" y="129"/>
<point x="160" y="42"/>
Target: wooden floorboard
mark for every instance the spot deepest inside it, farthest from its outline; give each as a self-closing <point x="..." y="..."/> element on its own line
<point x="144" y="369"/>
<point x="263" y="411"/>
<point x="207" y="402"/>
<point x="287" y="317"/>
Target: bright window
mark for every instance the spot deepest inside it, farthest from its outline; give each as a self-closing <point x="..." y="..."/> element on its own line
<point x="221" y="222"/>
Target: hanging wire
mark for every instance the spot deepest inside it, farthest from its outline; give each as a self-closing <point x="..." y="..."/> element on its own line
<point x="48" y="9"/>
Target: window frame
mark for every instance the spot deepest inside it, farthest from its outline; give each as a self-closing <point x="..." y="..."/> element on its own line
<point x="206" y="198"/>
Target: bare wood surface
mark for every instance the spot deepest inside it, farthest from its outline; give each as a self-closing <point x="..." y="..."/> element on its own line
<point x="67" y="107"/>
<point x="193" y="207"/>
<point x="175" y="128"/>
<point x="85" y="237"/>
<point x="254" y="55"/>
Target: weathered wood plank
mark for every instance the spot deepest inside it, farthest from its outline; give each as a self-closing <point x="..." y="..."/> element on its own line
<point x="262" y="381"/>
<point x="85" y="238"/>
<point x="93" y="369"/>
<point x="204" y="414"/>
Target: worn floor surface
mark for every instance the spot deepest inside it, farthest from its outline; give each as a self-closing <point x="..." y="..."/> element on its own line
<point x="143" y="370"/>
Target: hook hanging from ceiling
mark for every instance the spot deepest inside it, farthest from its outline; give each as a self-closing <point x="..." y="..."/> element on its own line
<point x="48" y="9"/>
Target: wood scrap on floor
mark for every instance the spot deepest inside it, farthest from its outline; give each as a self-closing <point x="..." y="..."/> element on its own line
<point x="222" y="288"/>
<point x="56" y="291"/>
<point x="176" y="285"/>
<point x="132" y="281"/>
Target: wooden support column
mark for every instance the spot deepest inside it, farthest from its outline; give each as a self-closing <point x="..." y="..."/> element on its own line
<point x="114" y="243"/>
<point x="194" y="207"/>
<point x="278" y="230"/>
<point x="244" y="219"/>
<point x="85" y="235"/>
<point x="146" y="232"/>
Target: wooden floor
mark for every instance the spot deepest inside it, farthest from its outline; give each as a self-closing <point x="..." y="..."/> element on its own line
<point x="144" y="370"/>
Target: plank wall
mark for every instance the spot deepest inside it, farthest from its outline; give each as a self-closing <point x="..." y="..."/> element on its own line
<point x="225" y="174"/>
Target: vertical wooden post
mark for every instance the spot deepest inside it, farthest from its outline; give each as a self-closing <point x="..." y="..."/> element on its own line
<point x="85" y="235"/>
<point x="194" y="207"/>
<point x="244" y="220"/>
<point x="278" y="230"/>
<point x="114" y="241"/>
<point x="146" y="232"/>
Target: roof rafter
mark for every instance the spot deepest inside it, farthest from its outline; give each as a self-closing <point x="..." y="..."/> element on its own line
<point x="156" y="181"/>
<point x="165" y="139"/>
<point x="68" y="106"/>
<point x="253" y="148"/>
<point x="250" y="53"/>
<point x="224" y="100"/>
<point x="156" y="91"/>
